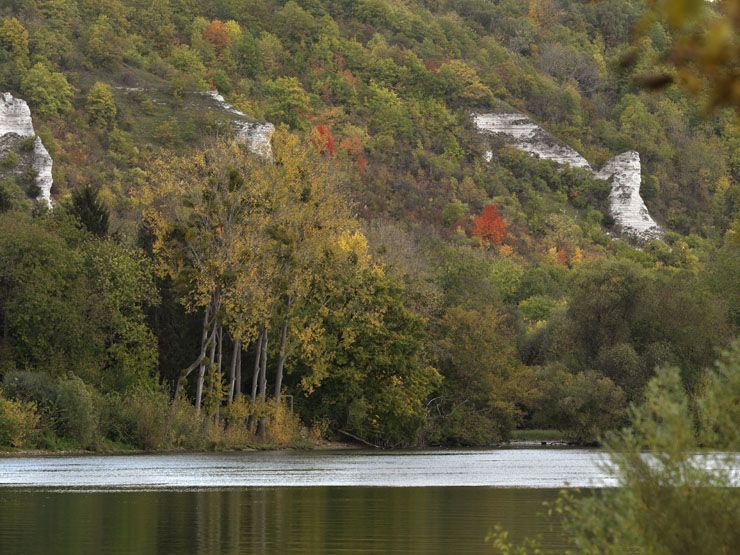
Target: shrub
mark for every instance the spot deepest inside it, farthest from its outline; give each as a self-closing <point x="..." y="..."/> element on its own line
<point x="140" y="418"/>
<point x="78" y="416"/>
<point x="101" y="105"/>
<point x="9" y="161"/>
<point x="18" y="423"/>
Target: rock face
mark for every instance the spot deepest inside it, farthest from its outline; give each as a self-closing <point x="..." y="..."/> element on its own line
<point x="16" y="124"/>
<point x="529" y="137"/>
<point x="631" y="216"/>
<point x="255" y="135"/>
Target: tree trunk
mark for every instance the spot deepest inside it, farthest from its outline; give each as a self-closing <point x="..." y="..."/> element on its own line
<point x="262" y="422"/>
<point x="201" y="375"/>
<point x="257" y="365"/>
<point x="219" y="383"/>
<point x="232" y="370"/>
<point x="203" y="348"/>
<point x="238" y="384"/>
<point x="282" y="355"/>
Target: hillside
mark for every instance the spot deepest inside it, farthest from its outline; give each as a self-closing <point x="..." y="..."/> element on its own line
<point x="406" y="270"/>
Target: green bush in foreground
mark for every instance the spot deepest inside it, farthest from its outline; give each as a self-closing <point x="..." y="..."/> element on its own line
<point x="672" y="496"/>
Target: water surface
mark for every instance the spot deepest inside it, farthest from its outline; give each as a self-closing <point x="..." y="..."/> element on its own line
<point x="527" y="468"/>
<point x="360" y="502"/>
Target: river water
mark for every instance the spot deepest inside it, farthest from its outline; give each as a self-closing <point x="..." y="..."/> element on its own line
<point x="286" y="502"/>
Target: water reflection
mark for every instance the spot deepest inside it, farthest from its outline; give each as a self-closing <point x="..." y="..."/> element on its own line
<point x="270" y="520"/>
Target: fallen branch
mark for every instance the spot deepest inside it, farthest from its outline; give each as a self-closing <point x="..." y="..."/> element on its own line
<point x="352" y="436"/>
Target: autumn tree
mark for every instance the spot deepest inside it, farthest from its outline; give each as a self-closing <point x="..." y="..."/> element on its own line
<point x="206" y="215"/>
<point x="490" y="226"/>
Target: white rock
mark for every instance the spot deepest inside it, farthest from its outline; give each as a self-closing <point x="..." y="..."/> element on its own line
<point x="42" y="164"/>
<point x="257" y="136"/>
<point x="15" y="118"/>
<point x="626" y="206"/>
<point x="530" y="137"/>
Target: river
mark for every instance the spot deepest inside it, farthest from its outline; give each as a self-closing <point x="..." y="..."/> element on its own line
<point x="286" y="502"/>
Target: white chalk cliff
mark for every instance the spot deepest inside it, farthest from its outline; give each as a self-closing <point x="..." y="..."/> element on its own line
<point x="15" y="120"/>
<point x="257" y="136"/>
<point x="631" y="216"/>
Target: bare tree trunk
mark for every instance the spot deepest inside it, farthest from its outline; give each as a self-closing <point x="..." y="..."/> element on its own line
<point x="238" y="384"/>
<point x="256" y="375"/>
<point x="282" y="355"/>
<point x="263" y="369"/>
<point x="201" y="376"/>
<point x="257" y="365"/>
<point x="218" y="375"/>
<point x="203" y="348"/>
<point x="262" y="422"/>
<point x="232" y="371"/>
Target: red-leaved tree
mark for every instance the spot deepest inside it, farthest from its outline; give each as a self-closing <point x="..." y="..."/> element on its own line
<point x="490" y="226"/>
<point x="324" y="140"/>
<point x="217" y="34"/>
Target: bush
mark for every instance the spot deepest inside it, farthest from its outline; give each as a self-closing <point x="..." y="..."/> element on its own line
<point x="78" y="416"/>
<point x="32" y="387"/>
<point x="140" y="418"/>
<point x="584" y="406"/>
<point x="9" y="161"/>
<point x="18" y="423"/>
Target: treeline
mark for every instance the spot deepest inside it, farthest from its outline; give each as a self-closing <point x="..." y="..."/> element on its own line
<point x="377" y="273"/>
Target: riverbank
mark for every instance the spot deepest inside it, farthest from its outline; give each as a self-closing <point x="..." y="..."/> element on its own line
<point x="118" y="450"/>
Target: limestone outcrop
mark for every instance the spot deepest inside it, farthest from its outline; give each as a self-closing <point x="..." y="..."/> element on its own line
<point x="631" y="216"/>
<point x="257" y="136"/>
<point x="15" y="126"/>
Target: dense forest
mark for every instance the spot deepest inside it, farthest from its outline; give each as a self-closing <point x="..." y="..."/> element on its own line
<point x="375" y="277"/>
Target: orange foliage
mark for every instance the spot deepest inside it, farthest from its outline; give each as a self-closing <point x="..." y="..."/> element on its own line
<point x="324" y="140"/>
<point x="362" y="164"/>
<point x="352" y="145"/>
<point x="217" y="34"/>
<point x="490" y="226"/>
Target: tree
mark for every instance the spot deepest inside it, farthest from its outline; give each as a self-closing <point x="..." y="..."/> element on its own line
<point x="90" y="210"/>
<point x="101" y="105"/>
<point x="287" y="101"/>
<point x="218" y="35"/>
<point x="490" y="226"/>
<point x="73" y="303"/>
<point x="207" y="215"/>
<point x="484" y="383"/>
<point x="14" y="49"/>
<point x="48" y="91"/>
<point x="361" y="359"/>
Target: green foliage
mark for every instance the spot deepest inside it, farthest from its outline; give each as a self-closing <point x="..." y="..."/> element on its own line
<point x="484" y="383"/>
<point x="583" y="406"/>
<point x="9" y="161"/>
<point x="18" y="423"/>
<point x="287" y="101"/>
<point x="71" y="305"/>
<point x="101" y="105"/>
<point x="671" y="497"/>
<point x="49" y="92"/>
<point x="395" y="82"/>
<point x="90" y="211"/>
<point x="77" y="412"/>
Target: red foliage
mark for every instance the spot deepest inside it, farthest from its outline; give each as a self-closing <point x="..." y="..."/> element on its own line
<point x="362" y="164"/>
<point x="490" y="226"/>
<point x="217" y="34"/>
<point x="324" y="140"/>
